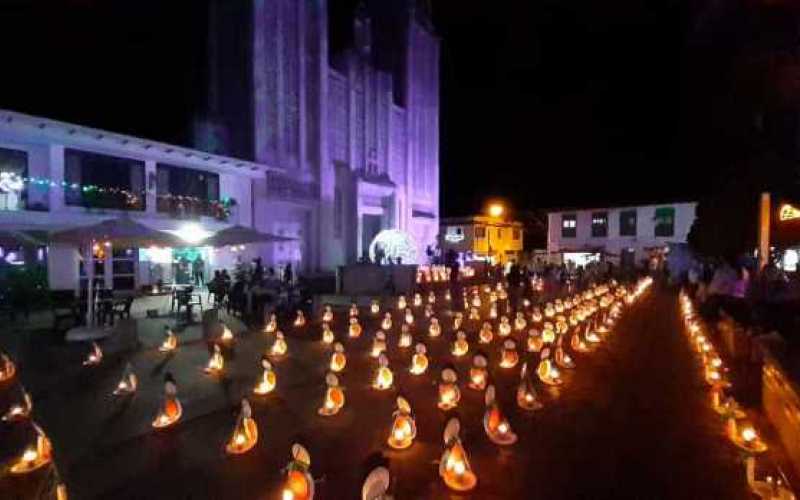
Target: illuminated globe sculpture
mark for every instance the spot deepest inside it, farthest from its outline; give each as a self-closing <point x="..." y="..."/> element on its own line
<point x="395" y="243"/>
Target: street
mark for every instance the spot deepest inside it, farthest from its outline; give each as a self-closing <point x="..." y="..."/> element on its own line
<point x="631" y="421"/>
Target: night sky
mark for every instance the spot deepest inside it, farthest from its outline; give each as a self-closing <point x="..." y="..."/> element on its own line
<point x="546" y="103"/>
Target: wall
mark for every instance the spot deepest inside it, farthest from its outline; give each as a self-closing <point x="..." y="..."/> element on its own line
<point x="614" y="243"/>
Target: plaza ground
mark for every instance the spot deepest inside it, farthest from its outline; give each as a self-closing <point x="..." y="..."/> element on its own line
<point x="631" y="421"/>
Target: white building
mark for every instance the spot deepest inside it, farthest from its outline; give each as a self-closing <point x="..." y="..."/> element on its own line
<point x="56" y="175"/>
<point x="626" y="235"/>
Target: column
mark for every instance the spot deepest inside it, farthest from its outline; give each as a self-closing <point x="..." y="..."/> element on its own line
<point x="56" y="164"/>
<point x="151" y="186"/>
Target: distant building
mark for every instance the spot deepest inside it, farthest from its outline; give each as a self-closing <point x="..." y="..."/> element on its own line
<point x="481" y="237"/>
<point x="627" y="236"/>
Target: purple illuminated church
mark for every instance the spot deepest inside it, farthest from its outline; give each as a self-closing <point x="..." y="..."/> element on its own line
<point x="351" y="140"/>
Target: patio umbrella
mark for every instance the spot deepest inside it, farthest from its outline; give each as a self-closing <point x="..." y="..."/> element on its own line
<point x="241" y="235"/>
<point x="124" y="232"/>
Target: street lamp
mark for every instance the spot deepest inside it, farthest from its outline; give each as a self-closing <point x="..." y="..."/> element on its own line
<point x="495" y="211"/>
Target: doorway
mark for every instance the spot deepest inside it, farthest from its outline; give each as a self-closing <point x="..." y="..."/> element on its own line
<point x="370" y="227"/>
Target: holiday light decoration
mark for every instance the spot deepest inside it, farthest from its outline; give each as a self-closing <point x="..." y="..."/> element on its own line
<point x="353" y="310"/>
<point x="327" y="314"/>
<point x="227" y="335"/>
<point x="504" y="328"/>
<point x="396" y="246"/>
<point x="375" y="307"/>
<point x="547" y="371"/>
<point x="300" y="319"/>
<point x="327" y="334"/>
<point x="386" y="324"/>
<point x="485" y="334"/>
<point x="405" y="339"/>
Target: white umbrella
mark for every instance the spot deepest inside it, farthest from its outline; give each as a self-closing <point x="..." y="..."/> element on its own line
<point x="242" y="235"/>
<point x="124" y="232"/>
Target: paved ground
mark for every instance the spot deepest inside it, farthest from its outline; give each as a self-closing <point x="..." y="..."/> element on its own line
<point x="630" y="422"/>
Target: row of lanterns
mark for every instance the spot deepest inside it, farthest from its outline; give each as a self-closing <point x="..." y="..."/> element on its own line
<point x="739" y="430"/>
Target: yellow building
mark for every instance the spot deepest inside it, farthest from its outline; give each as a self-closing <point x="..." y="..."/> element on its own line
<point x="482" y="236"/>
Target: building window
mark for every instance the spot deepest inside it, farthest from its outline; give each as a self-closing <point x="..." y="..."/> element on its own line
<point x="665" y="222"/>
<point x="627" y="223"/>
<point x="480" y="232"/>
<point x="338" y="212"/>
<point x="516" y="234"/>
<point x="102" y="181"/>
<point x="13" y="171"/>
<point x="569" y="226"/>
<point x="185" y="192"/>
<point x="599" y="224"/>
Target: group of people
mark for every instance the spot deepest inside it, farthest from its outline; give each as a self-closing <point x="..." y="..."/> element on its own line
<point x="252" y="287"/>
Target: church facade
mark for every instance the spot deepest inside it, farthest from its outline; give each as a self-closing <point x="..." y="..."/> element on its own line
<point x="351" y="141"/>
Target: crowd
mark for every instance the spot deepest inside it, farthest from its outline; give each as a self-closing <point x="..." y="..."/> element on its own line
<point x="252" y="288"/>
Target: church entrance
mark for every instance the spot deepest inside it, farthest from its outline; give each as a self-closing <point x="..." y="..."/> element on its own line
<point x="370" y="227"/>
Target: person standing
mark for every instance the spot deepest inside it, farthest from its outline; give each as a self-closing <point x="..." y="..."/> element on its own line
<point x="287" y="274"/>
<point x="198" y="270"/>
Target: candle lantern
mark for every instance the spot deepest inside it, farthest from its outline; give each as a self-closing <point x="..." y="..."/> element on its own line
<point x="170" y="342"/>
<point x="375" y="307"/>
<point x="386" y="324"/>
<point x="495" y="423"/>
<point x="460" y="347"/>
<point x="409" y="317"/>
<point x="268" y="379"/>
<point x="405" y="340"/>
<point x="527" y="399"/>
<point x="508" y="354"/>
<point x="7" y="368"/>
<point x="519" y="322"/>
<point x="279" y="347"/>
<point x="384" y="378"/>
<point x="454" y="467"/>
<point x="478" y="375"/>
<point x="19" y="411"/>
<point x="170" y="410"/>
<point x="546" y="371"/>
<point x="338" y="358"/>
<point x="300" y="319"/>
<point x="417" y="299"/>
<point x="404" y="429"/>
<point x="434" y="329"/>
<point x="35" y="456"/>
<point x="227" y="335"/>
<point x="327" y="334"/>
<point x="376" y="485"/>
<point x="419" y="361"/>
<point x="563" y="360"/>
<point x="449" y="394"/>
<point x="327" y="314"/>
<point x="298" y="483"/>
<point x="354" y="329"/>
<point x="128" y="383"/>
<point x="504" y="329"/>
<point x="353" y="310"/>
<point x="245" y="433"/>
<point x="94" y="357"/>
<point x="378" y="345"/>
<point x="334" y="396"/>
<point x="272" y="324"/>
<point x="401" y="302"/>
<point x="485" y="335"/>
<point x="216" y="362"/>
